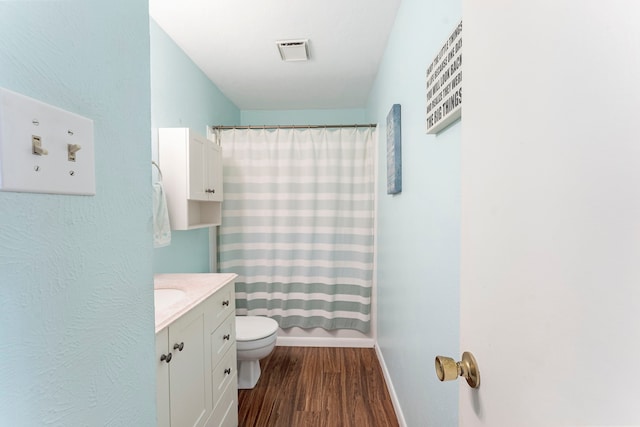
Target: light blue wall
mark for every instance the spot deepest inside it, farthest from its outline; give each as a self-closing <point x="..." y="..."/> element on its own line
<point x="418" y="230"/>
<point x="76" y="324"/>
<point x="303" y="117"/>
<point x="183" y="96"/>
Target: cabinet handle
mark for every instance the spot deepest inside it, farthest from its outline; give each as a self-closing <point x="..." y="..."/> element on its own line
<point x="166" y="358"/>
<point x="210" y="190"/>
<point x="227" y="371"/>
<point x="225" y="303"/>
<point x="178" y="347"/>
<point x="226" y="337"/>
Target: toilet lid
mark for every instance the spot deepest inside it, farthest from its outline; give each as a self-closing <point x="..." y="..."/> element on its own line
<point x="249" y="328"/>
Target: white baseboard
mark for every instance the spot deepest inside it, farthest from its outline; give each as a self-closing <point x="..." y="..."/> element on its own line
<point x="392" y="392"/>
<point x="324" y="342"/>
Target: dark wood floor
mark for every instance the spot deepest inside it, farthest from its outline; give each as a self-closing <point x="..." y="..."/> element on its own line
<point x="318" y="386"/>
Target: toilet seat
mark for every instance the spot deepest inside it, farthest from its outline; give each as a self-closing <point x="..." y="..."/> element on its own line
<point x="252" y="328"/>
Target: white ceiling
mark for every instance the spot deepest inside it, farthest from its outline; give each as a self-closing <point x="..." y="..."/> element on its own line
<point x="234" y="43"/>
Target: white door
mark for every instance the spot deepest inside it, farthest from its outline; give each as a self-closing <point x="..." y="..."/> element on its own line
<point x="550" y="261"/>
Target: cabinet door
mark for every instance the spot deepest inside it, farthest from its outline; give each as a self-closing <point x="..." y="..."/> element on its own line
<point x="197" y="167"/>
<point x="162" y="379"/>
<point x="215" y="172"/>
<point x="190" y="384"/>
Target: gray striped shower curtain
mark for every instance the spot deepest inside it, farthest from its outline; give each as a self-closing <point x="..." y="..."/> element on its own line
<point x="298" y="224"/>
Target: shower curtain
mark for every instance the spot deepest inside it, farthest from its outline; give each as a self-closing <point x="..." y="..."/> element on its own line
<point x="298" y="220"/>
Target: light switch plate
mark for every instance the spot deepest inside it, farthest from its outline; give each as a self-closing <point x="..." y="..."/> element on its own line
<point x="37" y="144"/>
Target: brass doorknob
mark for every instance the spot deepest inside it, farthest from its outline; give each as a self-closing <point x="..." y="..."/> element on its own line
<point x="448" y="369"/>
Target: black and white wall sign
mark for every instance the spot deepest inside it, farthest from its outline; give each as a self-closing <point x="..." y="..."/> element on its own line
<point x="444" y="84"/>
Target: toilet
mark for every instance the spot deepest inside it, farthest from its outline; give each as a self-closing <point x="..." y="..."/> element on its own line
<point x="255" y="339"/>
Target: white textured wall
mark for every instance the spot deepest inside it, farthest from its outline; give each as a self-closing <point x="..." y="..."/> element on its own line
<point x="76" y="324"/>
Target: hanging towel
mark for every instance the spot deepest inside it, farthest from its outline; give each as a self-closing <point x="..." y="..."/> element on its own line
<point x="161" y="226"/>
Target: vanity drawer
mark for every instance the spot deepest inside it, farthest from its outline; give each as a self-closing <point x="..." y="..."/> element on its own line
<point x="226" y="413"/>
<point x="224" y="374"/>
<point x="222" y="304"/>
<point x="222" y="339"/>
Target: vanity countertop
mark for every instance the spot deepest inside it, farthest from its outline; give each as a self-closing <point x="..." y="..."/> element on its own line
<point x="197" y="288"/>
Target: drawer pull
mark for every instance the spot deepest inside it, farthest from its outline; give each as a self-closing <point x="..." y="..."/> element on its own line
<point x="178" y="347"/>
<point x="226" y="337"/>
<point x="225" y="303"/>
<point x="227" y="371"/>
<point x="166" y="358"/>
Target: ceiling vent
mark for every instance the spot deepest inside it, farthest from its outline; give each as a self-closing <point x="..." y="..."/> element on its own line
<point x="293" y="50"/>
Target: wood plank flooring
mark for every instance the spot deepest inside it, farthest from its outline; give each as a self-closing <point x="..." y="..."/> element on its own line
<point x="318" y="386"/>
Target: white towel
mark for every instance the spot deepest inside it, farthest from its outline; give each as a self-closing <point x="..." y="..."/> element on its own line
<point x="161" y="226"/>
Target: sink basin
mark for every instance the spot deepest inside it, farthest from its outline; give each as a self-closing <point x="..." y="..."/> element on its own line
<point x="163" y="298"/>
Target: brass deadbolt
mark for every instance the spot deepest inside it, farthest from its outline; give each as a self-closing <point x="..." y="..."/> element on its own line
<point x="448" y="369"/>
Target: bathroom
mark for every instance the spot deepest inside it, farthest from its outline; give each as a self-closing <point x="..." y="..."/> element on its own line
<point x="76" y="272"/>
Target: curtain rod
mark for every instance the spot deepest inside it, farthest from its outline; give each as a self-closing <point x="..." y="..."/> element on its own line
<point x="371" y="125"/>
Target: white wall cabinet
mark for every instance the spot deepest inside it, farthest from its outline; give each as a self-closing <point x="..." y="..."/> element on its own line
<point x="192" y="178"/>
<point x="196" y="365"/>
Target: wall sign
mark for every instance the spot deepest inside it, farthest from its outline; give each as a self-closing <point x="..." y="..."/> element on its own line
<point x="394" y="151"/>
<point x="444" y="84"/>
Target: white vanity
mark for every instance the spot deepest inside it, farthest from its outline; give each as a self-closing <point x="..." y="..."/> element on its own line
<point x="196" y="350"/>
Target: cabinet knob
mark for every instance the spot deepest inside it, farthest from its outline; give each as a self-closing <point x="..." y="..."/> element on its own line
<point x="166" y="358"/>
<point x="210" y="190"/>
<point x="226" y="337"/>
<point x="225" y="303"/>
<point x="178" y="347"/>
<point x="227" y="371"/>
